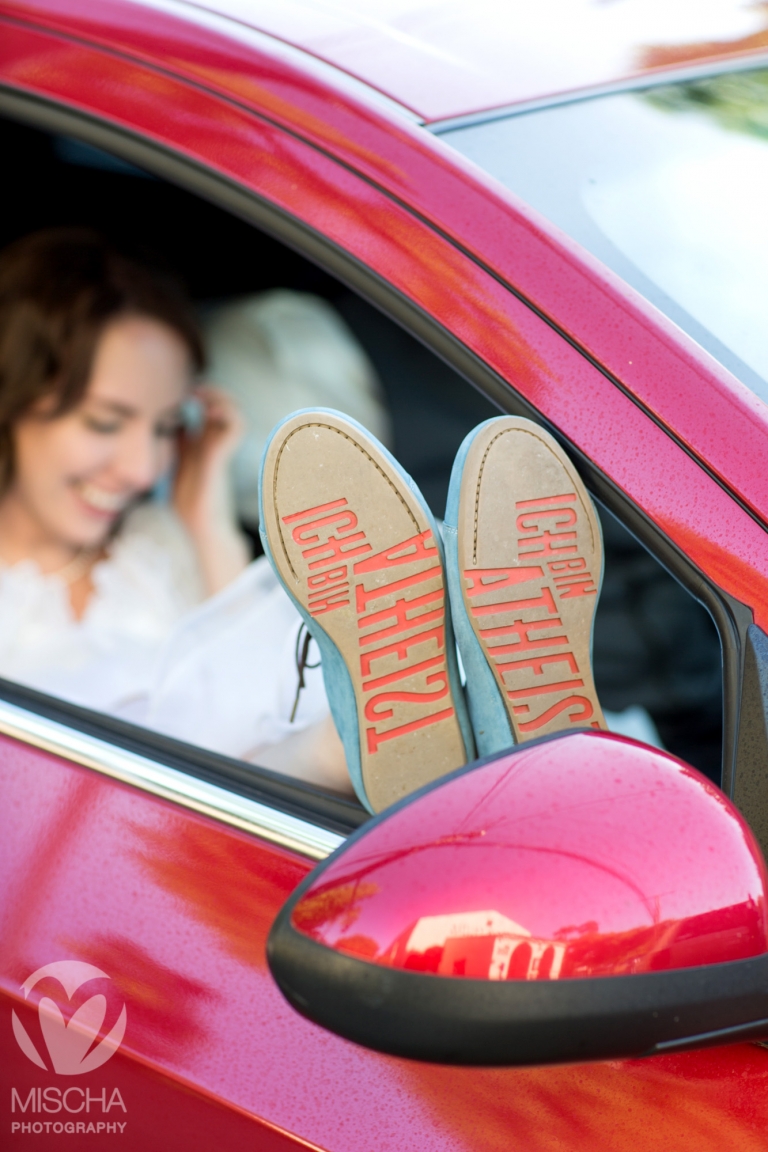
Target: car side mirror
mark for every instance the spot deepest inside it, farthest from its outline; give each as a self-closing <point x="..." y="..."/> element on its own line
<point x="583" y="897"/>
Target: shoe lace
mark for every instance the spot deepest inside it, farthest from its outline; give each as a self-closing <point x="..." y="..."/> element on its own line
<point x="303" y="641"/>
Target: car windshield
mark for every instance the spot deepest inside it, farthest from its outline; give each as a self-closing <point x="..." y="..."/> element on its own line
<point x="668" y="187"/>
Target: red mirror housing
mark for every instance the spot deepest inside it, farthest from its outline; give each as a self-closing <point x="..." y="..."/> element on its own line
<point x="580" y="897"/>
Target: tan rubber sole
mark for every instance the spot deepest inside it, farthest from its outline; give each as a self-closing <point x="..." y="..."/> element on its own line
<point x="531" y="559"/>
<point x="355" y="549"/>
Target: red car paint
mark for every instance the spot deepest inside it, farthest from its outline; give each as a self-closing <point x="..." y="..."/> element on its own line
<point x="558" y="897"/>
<point x="176" y="909"/>
<point x="175" y="906"/>
<point x="442" y="59"/>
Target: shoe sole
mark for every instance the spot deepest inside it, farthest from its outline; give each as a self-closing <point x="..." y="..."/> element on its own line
<point x="525" y="564"/>
<point x="357" y="549"/>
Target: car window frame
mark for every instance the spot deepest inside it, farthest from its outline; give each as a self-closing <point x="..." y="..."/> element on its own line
<point x="732" y="619"/>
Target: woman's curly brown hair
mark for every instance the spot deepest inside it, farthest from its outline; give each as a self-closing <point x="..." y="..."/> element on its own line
<point x="58" y="291"/>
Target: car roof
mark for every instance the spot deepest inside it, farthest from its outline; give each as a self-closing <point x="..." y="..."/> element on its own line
<point x="445" y="58"/>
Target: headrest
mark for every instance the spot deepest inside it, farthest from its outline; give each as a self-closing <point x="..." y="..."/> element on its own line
<point x="279" y="351"/>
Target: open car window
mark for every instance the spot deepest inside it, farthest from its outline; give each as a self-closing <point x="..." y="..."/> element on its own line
<point x="282" y="333"/>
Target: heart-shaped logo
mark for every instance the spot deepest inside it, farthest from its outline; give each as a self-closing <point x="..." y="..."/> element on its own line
<point x="70" y="1043"/>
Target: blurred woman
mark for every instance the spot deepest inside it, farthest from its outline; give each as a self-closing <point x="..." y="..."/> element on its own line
<point x="113" y="599"/>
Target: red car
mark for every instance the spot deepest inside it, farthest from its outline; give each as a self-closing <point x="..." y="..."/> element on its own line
<point x="556" y="211"/>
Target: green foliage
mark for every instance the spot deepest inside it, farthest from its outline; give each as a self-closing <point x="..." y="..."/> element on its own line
<point x="736" y="100"/>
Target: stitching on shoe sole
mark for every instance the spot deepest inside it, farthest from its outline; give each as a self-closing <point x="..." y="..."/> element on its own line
<point x="377" y="466"/>
<point x="541" y="440"/>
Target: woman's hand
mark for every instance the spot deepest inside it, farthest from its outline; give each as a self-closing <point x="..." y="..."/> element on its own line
<point x="202" y="493"/>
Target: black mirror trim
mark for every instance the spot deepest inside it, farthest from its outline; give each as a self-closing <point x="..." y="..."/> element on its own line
<point x="453" y="1020"/>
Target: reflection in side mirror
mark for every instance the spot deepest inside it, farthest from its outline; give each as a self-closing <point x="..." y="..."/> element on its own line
<point x="580" y="898"/>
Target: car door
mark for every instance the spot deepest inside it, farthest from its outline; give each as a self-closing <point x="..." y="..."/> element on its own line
<point x="163" y="875"/>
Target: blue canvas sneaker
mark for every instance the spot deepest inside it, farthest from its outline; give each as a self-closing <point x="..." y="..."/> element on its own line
<point x="524" y="554"/>
<point x="356" y="548"/>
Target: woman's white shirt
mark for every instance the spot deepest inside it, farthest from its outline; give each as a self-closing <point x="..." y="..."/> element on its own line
<point x="219" y="673"/>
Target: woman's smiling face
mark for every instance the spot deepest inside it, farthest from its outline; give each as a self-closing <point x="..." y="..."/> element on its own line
<point x="74" y="475"/>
